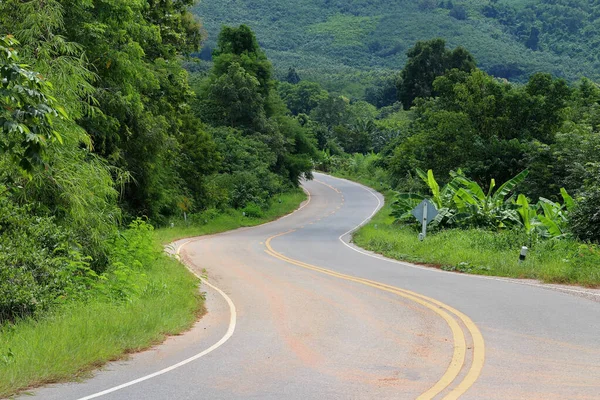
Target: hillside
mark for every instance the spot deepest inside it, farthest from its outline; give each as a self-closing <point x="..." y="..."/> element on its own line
<point x="364" y="39"/>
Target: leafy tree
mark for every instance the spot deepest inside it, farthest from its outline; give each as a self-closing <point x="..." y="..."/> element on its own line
<point x="292" y="76"/>
<point x="27" y="110"/>
<point x="141" y="93"/>
<point x="234" y="99"/>
<point x="426" y="61"/>
<point x="242" y="95"/>
<point x="303" y="97"/>
<point x="459" y="12"/>
<point x="383" y="94"/>
<point x="584" y="221"/>
<point x="331" y="111"/>
<point x="239" y="45"/>
<point x="486" y="127"/>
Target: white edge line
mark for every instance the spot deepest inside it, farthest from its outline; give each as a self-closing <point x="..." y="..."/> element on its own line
<point x="225" y="338"/>
<point x="406" y="264"/>
<point x="232" y="319"/>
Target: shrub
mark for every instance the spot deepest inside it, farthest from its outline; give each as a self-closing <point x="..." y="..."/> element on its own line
<point x="39" y="262"/>
<point x="253" y="210"/>
<point x="584" y="221"/>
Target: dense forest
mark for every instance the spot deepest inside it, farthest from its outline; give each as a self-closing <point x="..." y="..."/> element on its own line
<point x="347" y="45"/>
<point x="109" y="122"/>
<point x="475" y="133"/>
<point x="100" y="127"/>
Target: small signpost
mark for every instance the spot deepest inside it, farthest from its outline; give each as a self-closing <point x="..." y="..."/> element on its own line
<point x="425" y="212"/>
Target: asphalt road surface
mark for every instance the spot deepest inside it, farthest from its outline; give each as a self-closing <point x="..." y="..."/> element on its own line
<point x="296" y="312"/>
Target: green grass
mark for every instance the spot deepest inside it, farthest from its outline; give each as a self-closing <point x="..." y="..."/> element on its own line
<point x="71" y="341"/>
<point x="478" y="251"/>
<point x="74" y="339"/>
<point x="211" y="222"/>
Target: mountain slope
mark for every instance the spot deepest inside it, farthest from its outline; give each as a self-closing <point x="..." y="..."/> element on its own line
<point x="363" y="39"/>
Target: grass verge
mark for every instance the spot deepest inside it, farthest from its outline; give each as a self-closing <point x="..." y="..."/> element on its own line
<point x="74" y="339"/>
<point x="478" y="251"/>
<point x="211" y="222"/>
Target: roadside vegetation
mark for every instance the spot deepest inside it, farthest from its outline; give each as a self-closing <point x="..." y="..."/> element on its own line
<point x="145" y="298"/>
<point x="104" y="137"/>
<point x="111" y="128"/>
<point x="481" y="239"/>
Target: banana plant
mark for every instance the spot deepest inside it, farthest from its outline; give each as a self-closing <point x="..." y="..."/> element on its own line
<point x="527" y="213"/>
<point x="463" y="202"/>
<point x="476" y="208"/>
<point x="441" y="198"/>
<point x="553" y="218"/>
<point x="546" y="218"/>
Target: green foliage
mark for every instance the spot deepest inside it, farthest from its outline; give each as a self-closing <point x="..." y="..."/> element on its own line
<point x="78" y="337"/>
<point x="481" y="251"/>
<point x="269" y="151"/>
<point x="252" y="210"/>
<point x="584" y="220"/>
<point x="347" y="30"/>
<point x="348" y="46"/>
<point x="303" y="97"/>
<point x="27" y="110"/>
<point x="39" y="263"/>
<point x="463" y="203"/>
<point x="427" y="61"/>
<point x="484" y="126"/>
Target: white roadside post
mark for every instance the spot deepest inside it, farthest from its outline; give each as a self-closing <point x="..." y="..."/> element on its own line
<point x="523" y="254"/>
<point x="424" y="222"/>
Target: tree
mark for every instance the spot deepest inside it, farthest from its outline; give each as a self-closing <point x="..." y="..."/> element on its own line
<point x="292" y="76"/>
<point x="234" y="99"/>
<point x="426" y="61"/>
<point x="459" y="12"/>
<point x="27" y="111"/>
<point x="239" y="45"/>
<point x="533" y="41"/>
<point x="303" y="97"/>
<point x="239" y="93"/>
<point x="489" y="128"/>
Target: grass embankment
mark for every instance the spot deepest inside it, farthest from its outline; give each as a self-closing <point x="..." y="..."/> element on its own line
<point x="76" y="338"/>
<point x="478" y="251"/>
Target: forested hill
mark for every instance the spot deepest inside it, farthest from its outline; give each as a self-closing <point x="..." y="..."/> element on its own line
<point x="324" y="39"/>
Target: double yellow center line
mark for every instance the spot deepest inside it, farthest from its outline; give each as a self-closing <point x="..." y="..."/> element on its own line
<point x="446" y="312"/>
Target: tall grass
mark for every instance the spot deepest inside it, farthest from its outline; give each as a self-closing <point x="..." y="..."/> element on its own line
<point x="483" y="252"/>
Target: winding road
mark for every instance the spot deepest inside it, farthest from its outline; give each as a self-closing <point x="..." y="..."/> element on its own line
<point x="295" y="311"/>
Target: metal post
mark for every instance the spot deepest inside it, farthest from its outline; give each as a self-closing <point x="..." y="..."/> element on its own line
<point x="424" y="231"/>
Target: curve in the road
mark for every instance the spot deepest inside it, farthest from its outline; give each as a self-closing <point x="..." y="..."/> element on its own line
<point x="583" y="293"/>
<point x="478" y="341"/>
<point x="225" y="338"/>
<point x="460" y="347"/>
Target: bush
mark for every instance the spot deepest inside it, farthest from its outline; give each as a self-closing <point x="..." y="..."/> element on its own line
<point x="39" y="262"/>
<point x="132" y="253"/>
<point x="585" y="219"/>
<point x="253" y="210"/>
